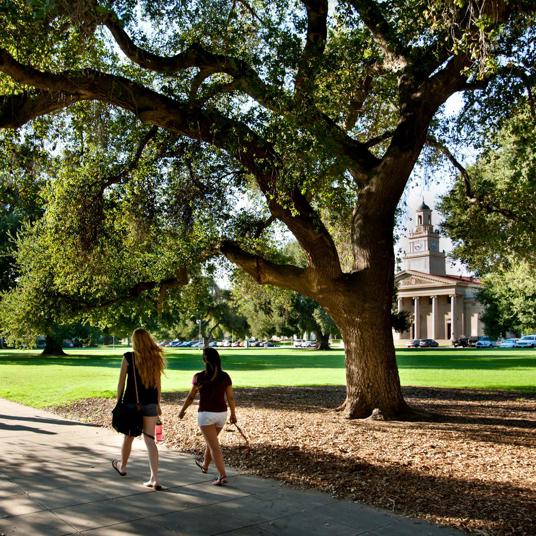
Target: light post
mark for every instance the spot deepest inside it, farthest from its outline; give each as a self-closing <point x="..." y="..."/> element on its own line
<point x="199" y="324"/>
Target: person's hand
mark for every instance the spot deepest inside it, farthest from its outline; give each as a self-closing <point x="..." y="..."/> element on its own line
<point x="232" y="418"/>
<point x="181" y="413"/>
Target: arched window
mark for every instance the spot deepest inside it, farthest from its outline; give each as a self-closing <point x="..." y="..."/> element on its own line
<point x="419" y="220"/>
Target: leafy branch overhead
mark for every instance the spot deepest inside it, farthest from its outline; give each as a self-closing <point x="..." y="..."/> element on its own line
<point x="312" y="114"/>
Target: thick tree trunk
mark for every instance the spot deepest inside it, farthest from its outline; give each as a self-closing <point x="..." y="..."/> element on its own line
<point x="372" y="380"/>
<point x="322" y="341"/>
<point x="53" y="346"/>
<point x="362" y="311"/>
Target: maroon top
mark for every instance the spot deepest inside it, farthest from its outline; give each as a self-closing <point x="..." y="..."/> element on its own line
<point x="212" y="393"/>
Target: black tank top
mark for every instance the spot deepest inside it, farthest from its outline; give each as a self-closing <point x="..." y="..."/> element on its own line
<point x="148" y="395"/>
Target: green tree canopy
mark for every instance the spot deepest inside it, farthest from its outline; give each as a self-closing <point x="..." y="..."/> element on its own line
<point x="489" y="214"/>
<point x="317" y="107"/>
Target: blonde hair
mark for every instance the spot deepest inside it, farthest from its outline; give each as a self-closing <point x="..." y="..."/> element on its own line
<point x="149" y="357"/>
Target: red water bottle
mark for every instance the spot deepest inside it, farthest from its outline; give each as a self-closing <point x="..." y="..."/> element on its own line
<point x="159" y="431"/>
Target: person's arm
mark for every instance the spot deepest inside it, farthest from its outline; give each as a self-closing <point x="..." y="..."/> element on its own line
<point x="231" y="401"/>
<point x="122" y="378"/>
<point x="189" y="399"/>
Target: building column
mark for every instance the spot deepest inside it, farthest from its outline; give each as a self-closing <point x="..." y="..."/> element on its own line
<point x="400" y="304"/>
<point x="434" y="317"/>
<point x="453" y="326"/>
<point x="416" y="317"/>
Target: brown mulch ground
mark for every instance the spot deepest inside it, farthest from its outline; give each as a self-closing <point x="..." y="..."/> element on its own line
<point x="470" y="465"/>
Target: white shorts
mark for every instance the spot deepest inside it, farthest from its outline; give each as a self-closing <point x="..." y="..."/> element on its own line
<point x="206" y="418"/>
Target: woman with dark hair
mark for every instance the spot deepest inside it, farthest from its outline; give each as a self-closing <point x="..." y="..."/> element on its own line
<point x="214" y="386"/>
<point x="142" y="369"/>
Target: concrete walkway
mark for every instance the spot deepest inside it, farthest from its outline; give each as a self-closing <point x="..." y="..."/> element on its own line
<point x="56" y="478"/>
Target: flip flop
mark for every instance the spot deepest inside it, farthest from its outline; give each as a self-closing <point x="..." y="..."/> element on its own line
<point x="156" y="487"/>
<point x="200" y="465"/>
<point x="114" y="465"/>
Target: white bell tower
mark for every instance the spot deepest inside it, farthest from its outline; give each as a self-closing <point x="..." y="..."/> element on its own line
<point x="424" y="255"/>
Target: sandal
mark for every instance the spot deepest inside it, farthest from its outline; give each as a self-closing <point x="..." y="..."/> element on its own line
<point x="200" y="465"/>
<point x="220" y="481"/>
<point x="114" y="465"/>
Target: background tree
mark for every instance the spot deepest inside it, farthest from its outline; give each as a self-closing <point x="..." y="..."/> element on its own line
<point x="315" y="108"/>
<point x="489" y="214"/>
<point x="22" y="168"/>
<point x="273" y="311"/>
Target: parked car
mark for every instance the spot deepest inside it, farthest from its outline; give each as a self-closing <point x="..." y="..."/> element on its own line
<point x="415" y="343"/>
<point x="269" y="344"/>
<point x="473" y="340"/>
<point x="298" y="343"/>
<point x="462" y="342"/>
<point x="428" y="343"/>
<point x="527" y="341"/>
<point x="508" y="343"/>
<point x="485" y="342"/>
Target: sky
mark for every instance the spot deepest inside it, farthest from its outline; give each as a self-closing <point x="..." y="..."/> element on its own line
<point x="421" y="188"/>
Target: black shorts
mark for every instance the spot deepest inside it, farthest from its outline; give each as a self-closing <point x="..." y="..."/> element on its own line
<point x="148" y="410"/>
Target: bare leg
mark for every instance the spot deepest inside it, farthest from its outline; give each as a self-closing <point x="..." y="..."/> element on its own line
<point x="152" y="450"/>
<point x="126" y="448"/>
<point x="210" y="433"/>
<point x="207" y="458"/>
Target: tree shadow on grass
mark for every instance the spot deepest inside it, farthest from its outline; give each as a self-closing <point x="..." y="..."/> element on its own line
<point x="466" y="361"/>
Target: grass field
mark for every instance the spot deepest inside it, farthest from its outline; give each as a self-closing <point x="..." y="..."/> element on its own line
<point x="45" y="381"/>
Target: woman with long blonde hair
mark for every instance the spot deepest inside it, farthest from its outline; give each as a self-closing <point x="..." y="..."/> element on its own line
<point x="142" y="369"/>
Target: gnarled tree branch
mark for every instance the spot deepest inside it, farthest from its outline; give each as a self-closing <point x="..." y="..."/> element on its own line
<point x="267" y="272"/>
<point x="130" y="166"/>
<point x="195" y="55"/>
<point x="315" y="43"/>
<point x="395" y="52"/>
<point x="471" y="197"/>
<point x="16" y="110"/>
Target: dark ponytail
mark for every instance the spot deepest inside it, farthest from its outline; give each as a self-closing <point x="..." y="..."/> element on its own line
<point x="212" y="363"/>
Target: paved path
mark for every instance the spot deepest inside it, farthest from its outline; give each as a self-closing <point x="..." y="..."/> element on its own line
<point x="56" y="478"/>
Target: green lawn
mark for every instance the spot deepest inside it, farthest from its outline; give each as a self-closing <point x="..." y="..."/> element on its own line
<point x="28" y="378"/>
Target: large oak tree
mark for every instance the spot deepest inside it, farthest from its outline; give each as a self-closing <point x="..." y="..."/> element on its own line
<point x="325" y="106"/>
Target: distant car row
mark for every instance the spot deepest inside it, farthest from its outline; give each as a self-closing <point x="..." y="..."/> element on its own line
<point x="299" y="343"/>
<point x="422" y="343"/>
<point x="196" y="343"/>
<point x="527" y="341"/>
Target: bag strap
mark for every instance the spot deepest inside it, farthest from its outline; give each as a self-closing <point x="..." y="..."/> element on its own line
<point x="135" y="381"/>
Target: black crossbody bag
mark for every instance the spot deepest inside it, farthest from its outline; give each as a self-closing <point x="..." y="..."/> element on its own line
<point x="129" y="420"/>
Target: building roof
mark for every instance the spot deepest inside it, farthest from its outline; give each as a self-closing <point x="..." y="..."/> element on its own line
<point x="424" y="206"/>
<point x="450" y="279"/>
<point x="469" y="279"/>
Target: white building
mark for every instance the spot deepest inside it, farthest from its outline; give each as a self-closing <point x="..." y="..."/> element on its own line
<point x="442" y="306"/>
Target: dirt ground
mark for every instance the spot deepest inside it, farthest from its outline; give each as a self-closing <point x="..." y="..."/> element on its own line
<point x="470" y="464"/>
